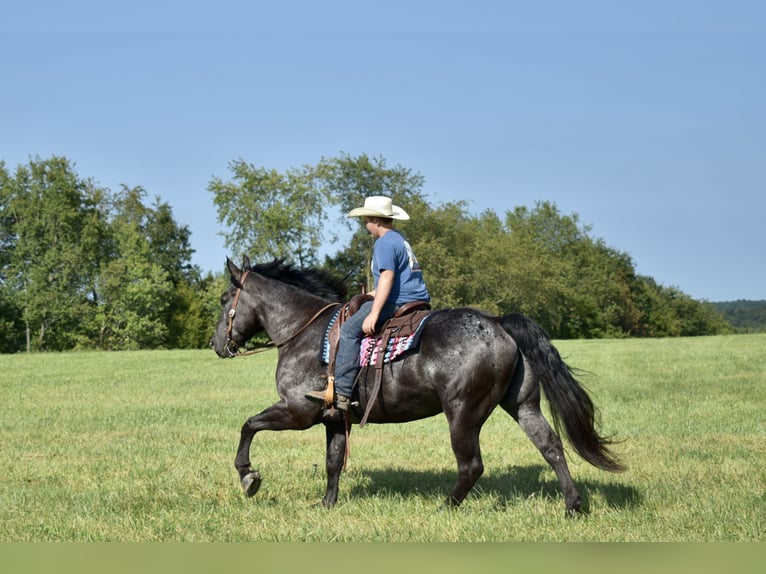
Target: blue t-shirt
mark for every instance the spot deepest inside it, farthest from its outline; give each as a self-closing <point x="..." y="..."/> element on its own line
<point x="393" y="252"/>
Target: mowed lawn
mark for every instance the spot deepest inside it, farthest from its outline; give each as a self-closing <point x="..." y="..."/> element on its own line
<point x="139" y="446"/>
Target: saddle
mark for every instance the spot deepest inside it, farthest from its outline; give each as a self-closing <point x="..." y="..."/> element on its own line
<point x="405" y="322"/>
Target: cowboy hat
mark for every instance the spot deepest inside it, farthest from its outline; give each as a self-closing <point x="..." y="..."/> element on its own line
<point x="379" y="206"/>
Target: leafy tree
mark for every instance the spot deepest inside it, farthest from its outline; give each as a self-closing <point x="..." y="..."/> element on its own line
<point x="52" y="232"/>
<point x="145" y="289"/>
<point x="11" y="325"/>
<point x="170" y="247"/>
<point x="169" y="243"/>
<point x="545" y="246"/>
<point x="80" y="266"/>
<point x="695" y="317"/>
<point x="270" y="214"/>
<point x="135" y="293"/>
<point x="8" y="237"/>
<point x="537" y="261"/>
<point x="347" y="181"/>
<point x="83" y="267"/>
<point x="191" y="323"/>
<point x="452" y="246"/>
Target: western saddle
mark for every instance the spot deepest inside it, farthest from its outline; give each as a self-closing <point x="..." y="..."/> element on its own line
<point x="404" y="322"/>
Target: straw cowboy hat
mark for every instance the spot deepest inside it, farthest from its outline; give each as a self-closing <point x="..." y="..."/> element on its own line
<point x="379" y="206"/>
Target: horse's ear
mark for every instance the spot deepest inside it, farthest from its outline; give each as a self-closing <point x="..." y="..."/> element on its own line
<point x="246" y="262"/>
<point x="235" y="271"/>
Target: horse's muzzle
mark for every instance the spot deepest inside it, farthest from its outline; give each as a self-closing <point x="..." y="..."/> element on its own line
<point x="230" y="349"/>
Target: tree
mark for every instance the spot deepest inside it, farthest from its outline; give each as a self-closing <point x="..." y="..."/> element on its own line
<point x="286" y="215"/>
<point x="52" y="233"/>
<point x="271" y="214"/>
<point x="170" y="247"/>
<point x="81" y="266"/>
<point x="454" y="250"/>
<point x="348" y="180"/>
<point x="537" y="261"/>
<point x="146" y="277"/>
<point x="11" y="325"/>
<point x="191" y="323"/>
<point x="169" y="243"/>
<point x="135" y="293"/>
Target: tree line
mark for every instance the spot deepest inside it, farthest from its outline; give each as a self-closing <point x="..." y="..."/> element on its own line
<point x="85" y="267"/>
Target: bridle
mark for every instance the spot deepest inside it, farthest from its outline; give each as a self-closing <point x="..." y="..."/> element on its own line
<point x="232" y="348"/>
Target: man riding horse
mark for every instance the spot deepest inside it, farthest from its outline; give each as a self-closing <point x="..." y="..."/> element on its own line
<point x="398" y="280"/>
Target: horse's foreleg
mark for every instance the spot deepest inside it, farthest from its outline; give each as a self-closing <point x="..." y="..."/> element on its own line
<point x="249" y="479"/>
<point x="531" y="420"/>
<point x="277" y="417"/>
<point x="336" y="455"/>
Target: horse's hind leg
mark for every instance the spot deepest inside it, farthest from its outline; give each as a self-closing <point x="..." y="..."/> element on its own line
<point x="522" y="402"/>
<point x="465" y="419"/>
<point x="531" y="420"/>
<point x="465" y="445"/>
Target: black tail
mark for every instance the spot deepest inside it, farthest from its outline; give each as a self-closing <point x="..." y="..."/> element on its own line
<point x="571" y="407"/>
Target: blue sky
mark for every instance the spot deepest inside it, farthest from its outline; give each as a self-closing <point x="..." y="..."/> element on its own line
<point x="645" y="118"/>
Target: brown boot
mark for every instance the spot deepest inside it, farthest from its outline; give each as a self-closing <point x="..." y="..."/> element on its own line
<point x="342" y="403"/>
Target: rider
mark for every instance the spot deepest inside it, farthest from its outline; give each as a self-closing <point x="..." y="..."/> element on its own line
<point x="398" y="280"/>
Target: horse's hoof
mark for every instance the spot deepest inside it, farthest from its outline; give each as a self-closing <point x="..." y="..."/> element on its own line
<point x="251" y="482"/>
<point x="573" y="513"/>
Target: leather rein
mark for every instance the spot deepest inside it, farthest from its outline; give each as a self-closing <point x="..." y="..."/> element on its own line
<point x="233" y="348"/>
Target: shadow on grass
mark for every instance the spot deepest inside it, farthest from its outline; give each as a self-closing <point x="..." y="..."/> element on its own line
<point x="508" y="487"/>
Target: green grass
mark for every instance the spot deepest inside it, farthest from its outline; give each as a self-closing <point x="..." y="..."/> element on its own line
<point x="138" y="446"/>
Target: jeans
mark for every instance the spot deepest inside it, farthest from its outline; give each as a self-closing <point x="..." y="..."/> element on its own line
<point x="351" y="335"/>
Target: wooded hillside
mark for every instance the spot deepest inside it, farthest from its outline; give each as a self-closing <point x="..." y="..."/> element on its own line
<point x="744" y="316"/>
<point x="82" y="266"/>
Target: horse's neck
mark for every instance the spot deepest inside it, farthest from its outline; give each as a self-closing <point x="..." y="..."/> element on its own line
<point x="282" y="318"/>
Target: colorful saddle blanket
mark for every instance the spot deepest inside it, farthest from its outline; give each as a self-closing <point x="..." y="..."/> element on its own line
<point x="397" y="345"/>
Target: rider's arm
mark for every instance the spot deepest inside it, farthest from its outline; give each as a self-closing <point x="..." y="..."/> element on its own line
<point x="382" y="291"/>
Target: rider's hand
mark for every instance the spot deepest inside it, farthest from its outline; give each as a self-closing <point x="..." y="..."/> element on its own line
<point x="369" y="323"/>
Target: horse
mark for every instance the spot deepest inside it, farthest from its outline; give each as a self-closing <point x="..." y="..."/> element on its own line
<point x="466" y="364"/>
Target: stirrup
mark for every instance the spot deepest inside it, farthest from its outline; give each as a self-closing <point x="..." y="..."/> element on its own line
<point x="326" y="396"/>
<point x="316" y="396"/>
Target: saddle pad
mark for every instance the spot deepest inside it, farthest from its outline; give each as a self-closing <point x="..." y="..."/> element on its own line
<point x="397" y="345"/>
<point x="325" y="354"/>
<point x="368" y="352"/>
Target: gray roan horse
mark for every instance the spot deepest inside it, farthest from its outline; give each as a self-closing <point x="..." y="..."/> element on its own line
<point x="467" y="363"/>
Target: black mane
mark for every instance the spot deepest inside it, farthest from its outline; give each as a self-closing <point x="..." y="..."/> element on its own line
<point x="316" y="281"/>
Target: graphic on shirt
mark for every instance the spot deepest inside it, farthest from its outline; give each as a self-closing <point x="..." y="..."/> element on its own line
<point x="414" y="265"/>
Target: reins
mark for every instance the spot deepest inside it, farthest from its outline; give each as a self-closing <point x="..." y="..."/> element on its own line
<point x="307" y="324"/>
<point x="270" y="344"/>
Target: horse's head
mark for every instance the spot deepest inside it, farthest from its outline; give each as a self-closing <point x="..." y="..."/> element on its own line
<point x="238" y="321"/>
<point x="276" y="297"/>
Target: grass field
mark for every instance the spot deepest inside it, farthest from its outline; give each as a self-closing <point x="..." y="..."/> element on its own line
<point x="138" y="446"/>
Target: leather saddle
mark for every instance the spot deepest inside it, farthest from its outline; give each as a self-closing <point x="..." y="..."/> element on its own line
<point x="405" y="321"/>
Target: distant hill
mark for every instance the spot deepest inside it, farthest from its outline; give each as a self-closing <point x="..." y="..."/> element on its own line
<point x="745" y="316"/>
